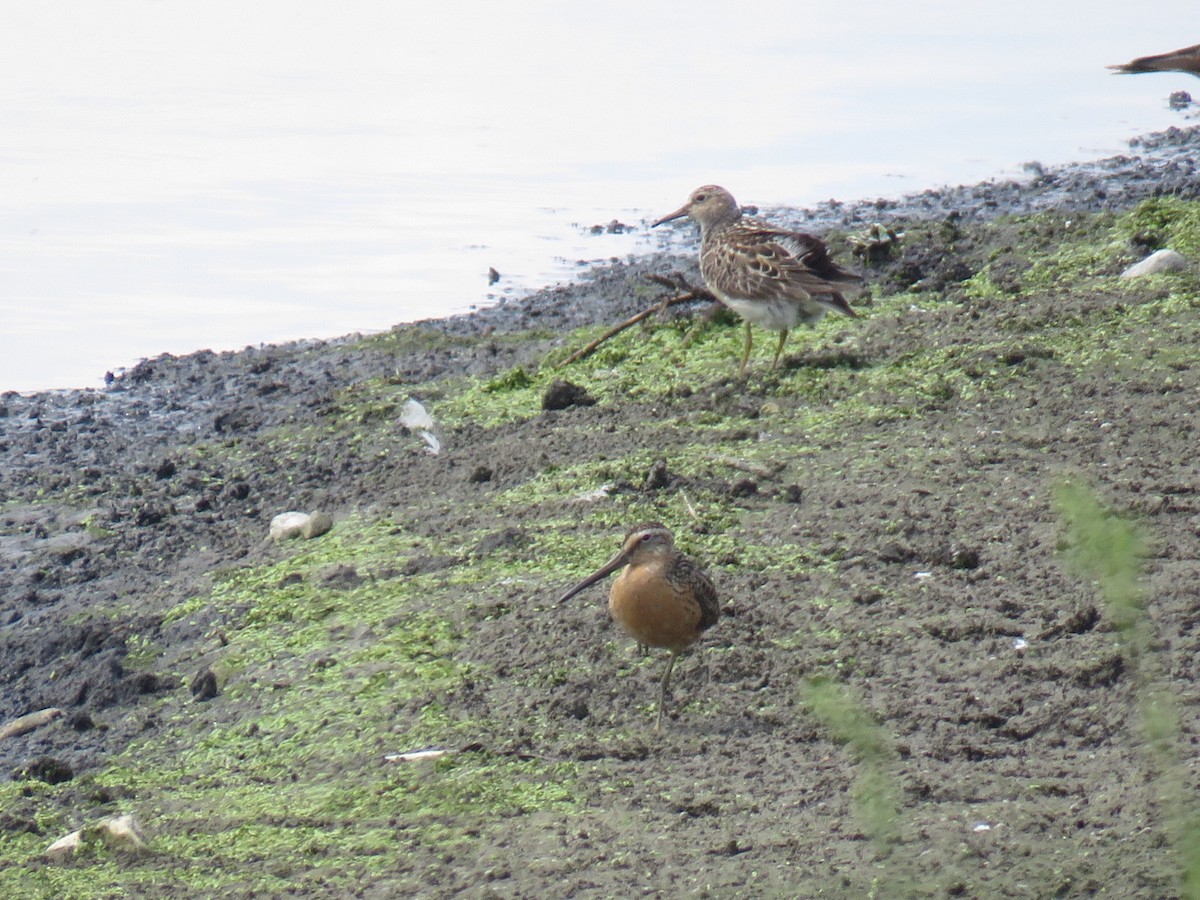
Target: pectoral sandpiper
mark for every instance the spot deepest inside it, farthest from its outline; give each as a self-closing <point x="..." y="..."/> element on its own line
<point x="661" y="598"/>
<point x="767" y="275"/>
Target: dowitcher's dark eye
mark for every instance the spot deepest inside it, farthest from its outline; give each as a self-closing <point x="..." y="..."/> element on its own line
<point x="700" y="198"/>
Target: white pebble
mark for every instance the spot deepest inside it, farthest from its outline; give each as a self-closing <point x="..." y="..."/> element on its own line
<point x="1156" y="262"/>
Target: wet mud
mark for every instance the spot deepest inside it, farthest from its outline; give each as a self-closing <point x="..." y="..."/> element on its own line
<point x="935" y="586"/>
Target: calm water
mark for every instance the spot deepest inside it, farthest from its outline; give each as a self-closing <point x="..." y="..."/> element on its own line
<point x="186" y="175"/>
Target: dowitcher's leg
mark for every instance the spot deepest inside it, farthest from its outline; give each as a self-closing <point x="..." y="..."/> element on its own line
<point x="746" y="351"/>
<point x="662" y="689"/>
<point x="778" y="350"/>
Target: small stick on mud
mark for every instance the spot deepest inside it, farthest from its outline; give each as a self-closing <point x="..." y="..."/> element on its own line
<point x="743" y="465"/>
<point x="674" y="282"/>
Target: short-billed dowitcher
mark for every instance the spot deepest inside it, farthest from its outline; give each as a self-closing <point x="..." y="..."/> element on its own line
<point x="1185" y="60"/>
<point x="767" y="275"/>
<point x="661" y="598"/>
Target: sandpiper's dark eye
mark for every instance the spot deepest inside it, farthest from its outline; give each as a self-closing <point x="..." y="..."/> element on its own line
<point x="646" y="537"/>
<point x="700" y="198"/>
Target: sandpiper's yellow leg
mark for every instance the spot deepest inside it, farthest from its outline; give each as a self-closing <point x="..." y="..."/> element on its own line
<point x="745" y="351"/>
<point x="778" y="350"/>
<point x="662" y="689"/>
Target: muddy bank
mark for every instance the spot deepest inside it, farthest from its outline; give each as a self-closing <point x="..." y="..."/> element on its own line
<point x="890" y="523"/>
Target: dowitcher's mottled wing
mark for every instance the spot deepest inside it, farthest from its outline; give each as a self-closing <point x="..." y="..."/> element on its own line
<point x="687" y="572"/>
<point x="1185" y="60"/>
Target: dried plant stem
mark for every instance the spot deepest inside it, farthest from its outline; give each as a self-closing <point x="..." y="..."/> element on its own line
<point x="688" y="294"/>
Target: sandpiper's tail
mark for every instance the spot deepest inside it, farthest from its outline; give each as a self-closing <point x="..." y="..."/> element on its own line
<point x="811" y="250"/>
<point x="835" y="302"/>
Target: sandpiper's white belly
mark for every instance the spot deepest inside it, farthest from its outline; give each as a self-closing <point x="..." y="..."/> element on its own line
<point x="777" y="313"/>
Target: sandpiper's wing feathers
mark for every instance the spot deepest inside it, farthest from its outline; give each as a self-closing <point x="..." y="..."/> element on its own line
<point x="812" y="252"/>
<point x="685" y="570"/>
<point x="756" y="261"/>
<point x="1185" y="60"/>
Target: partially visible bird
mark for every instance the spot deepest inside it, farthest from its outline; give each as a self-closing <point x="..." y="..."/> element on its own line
<point x="767" y="275"/>
<point x="662" y="598"/>
<point x="1185" y="60"/>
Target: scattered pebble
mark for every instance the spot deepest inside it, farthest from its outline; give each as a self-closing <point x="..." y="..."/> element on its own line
<point x="119" y="834"/>
<point x="204" y="685"/>
<point x="614" y="226"/>
<point x="288" y="525"/>
<point x="318" y="523"/>
<point x="598" y="494"/>
<point x="894" y="551"/>
<point x="415" y="755"/>
<point x="30" y="721"/>
<point x="416" y="418"/>
<point x="756" y="469"/>
<point x="1157" y="262"/>
<point x="509" y="538"/>
<point x="658" y="476"/>
<point x="65" y="846"/>
<point x="48" y="770"/>
<point x="81" y="721"/>
<point x="480" y="475"/>
<point x="960" y="557"/>
<point x="563" y="394"/>
<point x="1020" y="644"/>
<point x="341" y="576"/>
<point x="743" y="487"/>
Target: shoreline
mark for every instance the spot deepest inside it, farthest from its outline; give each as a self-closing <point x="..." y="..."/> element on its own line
<point x="1158" y="164"/>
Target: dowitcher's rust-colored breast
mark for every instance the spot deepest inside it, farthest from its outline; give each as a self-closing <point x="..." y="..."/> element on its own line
<point x="664" y="603"/>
